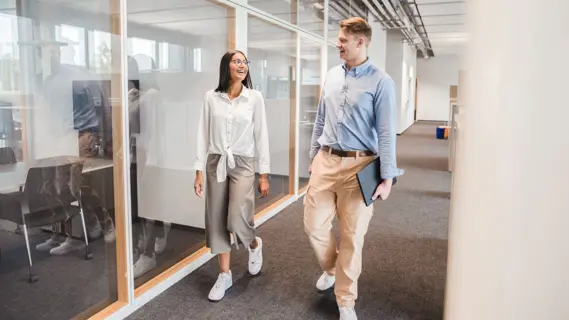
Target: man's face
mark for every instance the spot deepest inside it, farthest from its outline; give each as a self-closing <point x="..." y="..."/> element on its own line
<point x="54" y="53"/>
<point x="349" y="45"/>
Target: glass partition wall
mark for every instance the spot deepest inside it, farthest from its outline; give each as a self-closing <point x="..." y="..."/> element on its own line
<point x="99" y="102"/>
<point x="62" y="218"/>
<point x="173" y="54"/>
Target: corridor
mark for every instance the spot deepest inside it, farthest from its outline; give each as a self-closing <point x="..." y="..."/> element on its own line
<point x="404" y="256"/>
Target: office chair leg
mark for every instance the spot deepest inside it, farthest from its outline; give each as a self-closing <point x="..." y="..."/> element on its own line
<point x="32" y="278"/>
<point x="88" y="254"/>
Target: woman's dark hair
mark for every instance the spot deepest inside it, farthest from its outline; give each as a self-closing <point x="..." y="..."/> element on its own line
<point x="147" y="79"/>
<point x="133" y="74"/>
<point x="224" y="74"/>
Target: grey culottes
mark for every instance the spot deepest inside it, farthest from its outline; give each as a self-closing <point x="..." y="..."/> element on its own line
<point x="230" y="205"/>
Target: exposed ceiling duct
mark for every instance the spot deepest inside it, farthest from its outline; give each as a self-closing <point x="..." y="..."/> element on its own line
<point x="402" y="15"/>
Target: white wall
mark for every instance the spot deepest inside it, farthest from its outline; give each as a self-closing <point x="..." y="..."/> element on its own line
<point x="436" y="75"/>
<point x="378" y="48"/>
<point x="401" y="58"/>
<point x="408" y="78"/>
<point x="508" y="255"/>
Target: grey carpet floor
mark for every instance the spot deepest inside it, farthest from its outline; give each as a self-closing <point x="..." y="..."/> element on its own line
<point x="404" y="256"/>
<point x="69" y="284"/>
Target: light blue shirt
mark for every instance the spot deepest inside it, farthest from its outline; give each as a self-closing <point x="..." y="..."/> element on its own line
<point x="357" y="111"/>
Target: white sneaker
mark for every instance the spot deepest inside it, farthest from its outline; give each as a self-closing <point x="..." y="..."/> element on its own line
<point x="110" y="234"/>
<point x="159" y="245"/>
<point x="140" y="244"/>
<point x="224" y="282"/>
<point x="348" y="314"/>
<point x="49" y="244"/>
<point x="68" y="246"/>
<point x="325" y="282"/>
<point x="256" y="258"/>
<point x="143" y="265"/>
<point x="94" y="231"/>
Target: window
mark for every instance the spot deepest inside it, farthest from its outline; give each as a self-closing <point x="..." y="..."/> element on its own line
<point x="169" y="222"/>
<point x="307" y="14"/>
<point x="309" y="95"/>
<point x="72" y="44"/>
<point x="65" y="116"/>
<point x="272" y="68"/>
<point x="100" y="51"/>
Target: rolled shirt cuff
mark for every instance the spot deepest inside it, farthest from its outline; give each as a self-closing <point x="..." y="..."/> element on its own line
<point x="392" y="173"/>
<point x="199" y="166"/>
<point x="263" y="169"/>
<point x="313" y="153"/>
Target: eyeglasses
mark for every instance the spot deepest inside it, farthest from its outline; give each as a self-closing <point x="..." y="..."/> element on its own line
<point x="239" y="62"/>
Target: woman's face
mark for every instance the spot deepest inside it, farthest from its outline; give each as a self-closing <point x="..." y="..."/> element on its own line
<point x="238" y="67"/>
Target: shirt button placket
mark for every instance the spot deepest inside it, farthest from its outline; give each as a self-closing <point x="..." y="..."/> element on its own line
<point x="229" y="123"/>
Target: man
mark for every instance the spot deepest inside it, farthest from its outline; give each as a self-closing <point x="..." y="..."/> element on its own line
<point x="73" y="116"/>
<point x="355" y="124"/>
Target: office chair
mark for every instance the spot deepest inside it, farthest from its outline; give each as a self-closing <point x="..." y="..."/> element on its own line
<point x="7" y="156"/>
<point x="46" y="200"/>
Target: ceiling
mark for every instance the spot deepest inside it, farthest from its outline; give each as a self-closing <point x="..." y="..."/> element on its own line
<point x="445" y="24"/>
<point x="444" y="20"/>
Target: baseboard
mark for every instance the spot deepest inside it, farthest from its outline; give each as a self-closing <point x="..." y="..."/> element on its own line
<point x="402" y="132"/>
<point x="197" y="262"/>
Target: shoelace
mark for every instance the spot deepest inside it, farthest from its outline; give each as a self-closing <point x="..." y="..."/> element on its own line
<point x="219" y="281"/>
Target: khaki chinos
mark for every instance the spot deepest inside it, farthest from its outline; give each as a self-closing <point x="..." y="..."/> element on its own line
<point x="334" y="191"/>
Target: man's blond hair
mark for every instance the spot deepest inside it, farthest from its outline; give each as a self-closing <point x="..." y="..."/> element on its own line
<point x="357" y="26"/>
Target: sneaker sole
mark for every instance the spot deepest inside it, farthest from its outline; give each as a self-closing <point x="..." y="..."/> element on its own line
<point x="256" y="275"/>
<point x="331" y="289"/>
<point x="226" y="292"/>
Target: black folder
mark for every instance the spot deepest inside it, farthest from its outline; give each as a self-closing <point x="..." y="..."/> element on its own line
<point x="369" y="179"/>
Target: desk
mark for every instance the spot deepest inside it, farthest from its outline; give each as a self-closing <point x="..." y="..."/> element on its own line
<point x="13" y="176"/>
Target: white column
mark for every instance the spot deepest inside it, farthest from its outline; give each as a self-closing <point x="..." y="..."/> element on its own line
<point x="241" y="28"/>
<point x="509" y="227"/>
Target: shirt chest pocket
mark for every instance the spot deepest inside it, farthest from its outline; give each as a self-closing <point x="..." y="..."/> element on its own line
<point x="244" y="114"/>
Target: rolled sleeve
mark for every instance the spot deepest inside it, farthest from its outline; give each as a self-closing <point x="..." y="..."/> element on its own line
<point x="386" y="124"/>
<point x="263" y="154"/>
<point x="318" y="128"/>
<point x="202" y="137"/>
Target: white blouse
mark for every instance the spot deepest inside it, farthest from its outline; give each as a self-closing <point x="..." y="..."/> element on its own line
<point x="233" y="127"/>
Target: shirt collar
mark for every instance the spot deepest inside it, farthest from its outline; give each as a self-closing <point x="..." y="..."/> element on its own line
<point x="244" y="93"/>
<point x="358" y="69"/>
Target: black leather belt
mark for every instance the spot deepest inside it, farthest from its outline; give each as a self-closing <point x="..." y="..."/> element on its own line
<point x="347" y="154"/>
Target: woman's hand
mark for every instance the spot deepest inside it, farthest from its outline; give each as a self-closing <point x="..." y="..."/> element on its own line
<point x="198" y="184"/>
<point x="263" y="185"/>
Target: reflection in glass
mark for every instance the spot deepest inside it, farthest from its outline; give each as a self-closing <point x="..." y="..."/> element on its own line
<point x="10" y="114"/>
<point x="309" y="97"/>
<point x="334" y="57"/>
<point x="57" y="205"/>
<point x="173" y="60"/>
<point x="272" y="68"/>
<point x="307" y="14"/>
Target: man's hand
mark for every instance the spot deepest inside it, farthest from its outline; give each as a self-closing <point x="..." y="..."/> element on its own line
<point x="263" y="185"/>
<point x="198" y="184"/>
<point x="383" y="190"/>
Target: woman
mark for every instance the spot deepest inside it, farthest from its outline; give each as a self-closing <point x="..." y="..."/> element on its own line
<point x="144" y="102"/>
<point x="232" y="136"/>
